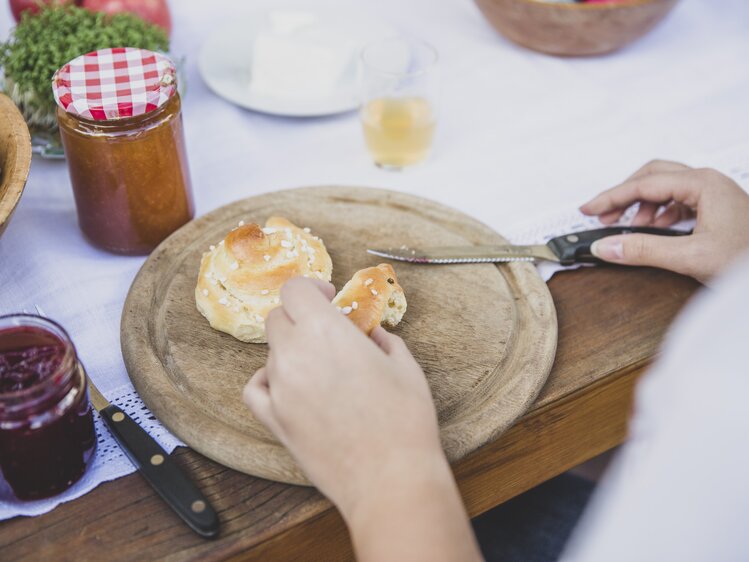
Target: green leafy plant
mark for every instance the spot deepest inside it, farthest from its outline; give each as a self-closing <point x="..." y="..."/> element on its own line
<point x="43" y="42"/>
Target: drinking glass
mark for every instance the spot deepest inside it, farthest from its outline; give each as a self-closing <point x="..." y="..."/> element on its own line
<point x="399" y="101"/>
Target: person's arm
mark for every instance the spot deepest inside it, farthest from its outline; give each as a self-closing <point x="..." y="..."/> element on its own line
<point x="669" y="192"/>
<point x="357" y="415"/>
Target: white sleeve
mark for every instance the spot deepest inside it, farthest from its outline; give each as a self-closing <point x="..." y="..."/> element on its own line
<point x="679" y="489"/>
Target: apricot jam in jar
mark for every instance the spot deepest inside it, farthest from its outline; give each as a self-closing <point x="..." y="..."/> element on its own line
<point x="47" y="436"/>
<point x="120" y="121"/>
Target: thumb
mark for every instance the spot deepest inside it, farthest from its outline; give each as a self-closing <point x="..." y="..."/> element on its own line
<point x="666" y="252"/>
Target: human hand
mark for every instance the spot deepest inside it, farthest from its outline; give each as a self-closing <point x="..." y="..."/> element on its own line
<point x="669" y="192"/>
<point x="350" y="409"/>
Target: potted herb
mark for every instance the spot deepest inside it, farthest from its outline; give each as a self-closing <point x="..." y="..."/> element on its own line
<point x="42" y="42"/>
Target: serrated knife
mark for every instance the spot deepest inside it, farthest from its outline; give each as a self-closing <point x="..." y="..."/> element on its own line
<point x="568" y="249"/>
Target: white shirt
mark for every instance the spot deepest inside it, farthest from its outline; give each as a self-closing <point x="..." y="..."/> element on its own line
<point x="679" y="489"/>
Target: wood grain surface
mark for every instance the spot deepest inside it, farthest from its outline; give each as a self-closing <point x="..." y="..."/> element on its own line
<point x="611" y="322"/>
<point x="485" y="335"/>
<point x="574" y="29"/>
<point x="15" y="158"/>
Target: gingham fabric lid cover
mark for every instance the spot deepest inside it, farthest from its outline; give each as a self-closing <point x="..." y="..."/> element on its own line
<point x="114" y="83"/>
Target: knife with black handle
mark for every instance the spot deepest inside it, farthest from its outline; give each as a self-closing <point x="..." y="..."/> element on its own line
<point x="568" y="249"/>
<point x="158" y="468"/>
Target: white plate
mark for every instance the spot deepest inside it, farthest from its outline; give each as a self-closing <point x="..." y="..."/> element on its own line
<point x="225" y="63"/>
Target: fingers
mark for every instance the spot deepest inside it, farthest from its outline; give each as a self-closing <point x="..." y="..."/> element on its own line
<point x="667" y="252"/>
<point x="278" y="327"/>
<point x="653" y="167"/>
<point x="256" y="395"/>
<point x="675" y="212"/>
<point x="612" y="217"/>
<point x="682" y="187"/>
<point x="304" y="298"/>
<point x="389" y="343"/>
<point x="658" y="167"/>
<point x="327" y="288"/>
<point x="645" y="214"/>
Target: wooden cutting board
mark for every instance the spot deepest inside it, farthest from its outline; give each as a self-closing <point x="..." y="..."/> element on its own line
<point x="485" y="335"/>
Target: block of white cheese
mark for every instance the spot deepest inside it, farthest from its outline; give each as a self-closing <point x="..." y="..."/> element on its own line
<point x="297" y="56"/>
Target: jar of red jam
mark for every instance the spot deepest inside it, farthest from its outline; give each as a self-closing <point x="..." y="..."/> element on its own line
<point x="120" y="122"/>
<point x="47" y="436"/>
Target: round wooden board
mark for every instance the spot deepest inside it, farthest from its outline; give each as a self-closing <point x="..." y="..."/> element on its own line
<point x="485" y="335"/>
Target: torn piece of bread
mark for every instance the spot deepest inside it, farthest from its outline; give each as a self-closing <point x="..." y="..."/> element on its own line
<point x="372" y="297"/>
<point x="241" y="277"/>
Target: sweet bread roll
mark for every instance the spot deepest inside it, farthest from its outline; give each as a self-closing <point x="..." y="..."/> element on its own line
<point x="241" y="277"/>
<point x="372" y="297"/>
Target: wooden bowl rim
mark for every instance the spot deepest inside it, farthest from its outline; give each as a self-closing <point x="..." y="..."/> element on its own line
<point x="586" y="6"/>
<point x="18" y="167"/>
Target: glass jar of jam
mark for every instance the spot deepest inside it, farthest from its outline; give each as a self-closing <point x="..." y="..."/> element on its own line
<point x="120" y="122"/>
<point x="47" y="436"/>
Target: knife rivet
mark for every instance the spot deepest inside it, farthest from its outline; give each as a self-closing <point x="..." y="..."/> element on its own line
<point x="573" y="238"/>
<point x="156" y="460"/>
<point x="198" y="506"/>
<point x="118" y="417"/>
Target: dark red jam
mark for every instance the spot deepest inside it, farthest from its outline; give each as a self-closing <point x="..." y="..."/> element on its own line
<point x="47" y="436"/>
<point x="27" y="356"/>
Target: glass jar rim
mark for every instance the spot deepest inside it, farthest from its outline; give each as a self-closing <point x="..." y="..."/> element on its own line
<point x="133" y="121"/>
<point x="64" y="371"/>
<point x="423" y="45"/>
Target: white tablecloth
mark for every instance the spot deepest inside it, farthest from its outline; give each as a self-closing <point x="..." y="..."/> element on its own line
<point x="521" y="136"/>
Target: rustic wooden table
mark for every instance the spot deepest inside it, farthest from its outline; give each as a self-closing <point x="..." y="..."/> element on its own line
<point x="611" y="322"/>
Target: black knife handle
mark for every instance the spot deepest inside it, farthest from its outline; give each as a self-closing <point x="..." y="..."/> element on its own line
<point x="162" y="472"/>
<point x="575" y="248"/>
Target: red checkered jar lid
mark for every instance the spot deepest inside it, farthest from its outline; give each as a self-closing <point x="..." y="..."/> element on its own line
<point x="115" y="83"/>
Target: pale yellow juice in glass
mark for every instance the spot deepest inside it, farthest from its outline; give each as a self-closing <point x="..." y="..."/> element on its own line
<point x="398" y="131"/>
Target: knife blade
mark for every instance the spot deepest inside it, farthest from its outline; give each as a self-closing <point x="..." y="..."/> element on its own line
<point x="568" y="249"/>
<point x="157" y="467"/>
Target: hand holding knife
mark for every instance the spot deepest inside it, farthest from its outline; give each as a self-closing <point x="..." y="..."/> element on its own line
<point x="568" y="249"/>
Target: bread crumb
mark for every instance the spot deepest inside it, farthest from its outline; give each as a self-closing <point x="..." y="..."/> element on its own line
<point x="234" y="266"/>
<point x="346" y="310"/>
<point x="264" y="292"/>
<point x="268" y="230"/>
<point x="374" y="292"/>
<point x="205" y="292"/>
<point x="241" y="223"/>
<point x="354" y="305"/>
<point x="368" y="282"/>
<point x="286" y="244"/>
<point x="266" y="257"/>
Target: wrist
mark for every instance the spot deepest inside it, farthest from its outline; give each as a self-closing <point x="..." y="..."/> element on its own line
<point x="412" y="511"/>
<point x="401" y="482"/>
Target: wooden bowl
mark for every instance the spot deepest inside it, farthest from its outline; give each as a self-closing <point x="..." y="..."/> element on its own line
<point x="574" y="29"/>
<point x="15" y="158"/>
